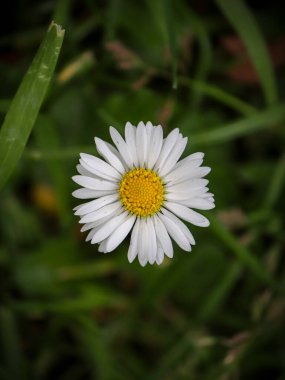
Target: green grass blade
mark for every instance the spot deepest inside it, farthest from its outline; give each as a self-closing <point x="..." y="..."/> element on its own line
<point x="241" y="18"/>
<point x="246" y="126"/>
<point x="172" y="39"/>
<point x="243" y="255"/>
<point x="95" y="345"/>
<point x="217" y="296"/>
<point x="276" y="184"/>
<point x="162" y="11"/>
<point x="204" y="53"/>
<point x="257" y="122"/>
<point x="217" y="94"/>
<point x="26" y="104"/>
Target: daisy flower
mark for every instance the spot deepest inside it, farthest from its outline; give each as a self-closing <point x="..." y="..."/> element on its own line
<point x="140" y="187"/>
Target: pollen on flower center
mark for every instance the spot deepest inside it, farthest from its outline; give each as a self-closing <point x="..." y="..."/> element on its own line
<point x="141" y="192"/>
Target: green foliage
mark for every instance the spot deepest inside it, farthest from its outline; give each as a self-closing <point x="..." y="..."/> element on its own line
<point x="25" y="106"/>
<point x="69" y="312"/>
<point x="244" y="22"/>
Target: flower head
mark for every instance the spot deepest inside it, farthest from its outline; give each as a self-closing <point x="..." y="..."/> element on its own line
<point x="141" y="187"/>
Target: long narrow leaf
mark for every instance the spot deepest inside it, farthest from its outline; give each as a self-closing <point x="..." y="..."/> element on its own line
<point x="26" y="104"/>
<point x="218" y="94"/>
<point x="243" y="255"/>
<point x="243" y="127"/>
<point x="162" y="12"/>
<point x="246" y="26"/>
<point x="256" y="122"/>
<point x="172" y="38"/>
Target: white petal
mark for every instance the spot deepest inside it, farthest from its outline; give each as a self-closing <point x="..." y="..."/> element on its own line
<point x="175" y="232"/>
<point x="191" y="184"/>
<point x="173" y="157"/>
<point x="185" y="196"/>
<point x="87" y="193"/>
<point x="149" y="133"/>
<point x="99" y="167"/>
<point x="90" y="234"/>
<point x="152" y="249"/>
<point x="159" y="256"/>
<point x="102" y="246"/>
<point x="133" y="248"/>
<point x="83" y="171"/>
<point x="121" y="146"/>
<point x="199" y="203"/>
<point x="93" y="183"/>
<point x="168" y="145"/>
<point x="97" y="223"/>
<point x="130" y="137"/>
<point x="108" y="228"/>
<point x="163" y="237"/>
<point x="108" y="153"/>
<point x="141" y="143"/>
<point x="96" y="204"/>
<point x="149" y="128"/>
<point x="207" y="195"/>
<point x="198" y="172"/>
<point x="120" y="233"/>
<point x="187" y="214"/>
<point x="155" y="146"/>
<point x="102" y="212"/>
<point x="182" y="168"/>
<point x="191" y="159"/>
<point x="180" y="225"/>
<point x="142" y="243"/>
<point x="143" y="261"/>
<point x="117" y="154"/>
<point x="193" y="173"/>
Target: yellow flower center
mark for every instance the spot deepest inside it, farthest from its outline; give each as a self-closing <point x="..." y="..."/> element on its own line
<point x="141" y="192"/>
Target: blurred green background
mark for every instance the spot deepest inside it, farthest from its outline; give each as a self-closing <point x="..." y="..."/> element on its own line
<point x="215" y="69"/>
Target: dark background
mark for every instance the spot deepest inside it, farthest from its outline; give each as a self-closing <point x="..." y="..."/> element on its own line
<point x="69" y="312"/>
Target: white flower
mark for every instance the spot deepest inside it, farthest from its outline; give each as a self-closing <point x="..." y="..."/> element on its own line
<point x="140" y="186"/>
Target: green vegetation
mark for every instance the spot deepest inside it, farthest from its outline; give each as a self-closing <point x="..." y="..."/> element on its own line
<point x="216" y="71"/>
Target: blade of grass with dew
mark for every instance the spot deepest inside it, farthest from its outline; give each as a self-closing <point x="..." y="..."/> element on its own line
<point x="26" y="104"/>
<point x="241" y="18"/>
<point x="257" y="122"/>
